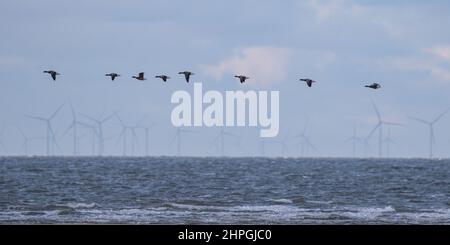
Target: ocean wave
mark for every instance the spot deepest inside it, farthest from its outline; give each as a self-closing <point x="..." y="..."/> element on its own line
<point x="282" y="200"/>
<point x="251" y="214"/>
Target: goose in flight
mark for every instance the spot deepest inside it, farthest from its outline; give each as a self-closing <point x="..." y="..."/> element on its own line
<point x="163" y="77"/>
<point x="187" y="75"/>
<point x="308" y="81"/>
<point x="52" y="73"/>
<point x="140" y="77"/>
<point x="112" y="75"/>
<point x="242" y="78"/>
<point x="373" y="86"/>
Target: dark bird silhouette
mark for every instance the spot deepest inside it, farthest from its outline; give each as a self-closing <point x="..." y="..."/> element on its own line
<point x="373" y="86"/>
<point x="308" y="81"/>
<point x="242" y="78"/>
<point x="53" y="74"/>
<point x="163" y="77"/>
<point x="187" y="74"/>
<point x="140" y="77"/>
<point x="112" y="75"/>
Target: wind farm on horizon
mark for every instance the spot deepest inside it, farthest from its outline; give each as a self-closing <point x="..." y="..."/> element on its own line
<point x="133" y="138"/>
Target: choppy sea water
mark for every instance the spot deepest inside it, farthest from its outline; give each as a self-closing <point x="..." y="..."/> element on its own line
<point x="170" y="190"/>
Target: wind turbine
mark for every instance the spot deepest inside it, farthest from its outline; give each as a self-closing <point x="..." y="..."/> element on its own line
<point x="388" y="141"/>
<point x="146" y="134"/>
<point x="305" y="142"/>
<point x="283" y="145"/>
<point x="94" y="134"/>
<point x="73" y="126"/>
<point x="100" y="121"/>
<point x="430" y="125"/>
<point x="177" y="137"/>
<point x="122" y="135"/>
<point x="220" y="140"/>
<point x="51" y="138"/>
<point x="379" y="126"/>
<point x="2" y="145"/>
<point x="355" y="140"/>
<point x="262" y="146"/>
<point x="26" y="141"/>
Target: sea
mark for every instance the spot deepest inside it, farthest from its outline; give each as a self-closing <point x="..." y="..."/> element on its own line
<point x="221" y="190"/>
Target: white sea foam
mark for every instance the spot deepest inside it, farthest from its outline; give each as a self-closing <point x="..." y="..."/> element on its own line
<point x="282" y="200"/>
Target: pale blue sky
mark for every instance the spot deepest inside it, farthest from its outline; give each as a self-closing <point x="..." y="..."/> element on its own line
<point x="404" y="45"/>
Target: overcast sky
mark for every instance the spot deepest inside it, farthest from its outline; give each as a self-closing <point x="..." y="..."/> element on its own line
<point x="343" y="45"/>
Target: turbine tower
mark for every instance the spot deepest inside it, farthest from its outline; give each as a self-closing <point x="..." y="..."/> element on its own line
<point x="354" y="139"/>
<point x="379" y="126"/>
<point x="2" y="145"/>
<point x="220" y="140"/>
<point x="305" y="142"/>
<point x="26" y="141"/>
<point x="100" y="121"/>
<point x="388" y="141"/>
<point x="94" y="134"/>
<point x="122" y="135"/>
<point x="74" y="127"/>
<point x="177" y="137"/>
<point x="430" y="125"/>
<point x="146" y="135"/>
<point x="51" y="138"/>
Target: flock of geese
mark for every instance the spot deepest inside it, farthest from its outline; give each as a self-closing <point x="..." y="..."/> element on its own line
<point x="188" y="74"/>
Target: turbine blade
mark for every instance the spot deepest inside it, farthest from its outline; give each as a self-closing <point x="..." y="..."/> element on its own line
<point x="305" y="127"/>
<point x="419" y="120"/>
<point x="36" y="118"/>
<point x="120" y="119"/>
<point x="393" y="123"/>
<point x="440" y="116"/>
<point x="73" y="112"/>
<point x="90" y="118"/>
<point x="376" y="110"/>
<point x="373" y="130"/>
<point x="310" y="144"/>
<point x="107" y="118"/>
<point x="67" y="130"/>
<point x="56" y="112"/>
<point x="174" y="138"/>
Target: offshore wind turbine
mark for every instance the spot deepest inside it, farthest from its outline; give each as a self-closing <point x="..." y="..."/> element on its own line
<point x="94" y="134"/>
<point x="262" y="146"/>
<point x="305" y="142"/>
<point x="2" y="145"/>
<point x="51" y="138"/>
<point x="379" y="126"/>
<point x="122" y="135"/>
<point x="283" y="145"/>
<point x="100" y="121"/>
<point x="430" y="125"/>
<point x="220" y="140"/>
<point x="74" y="127"/>
<point x="26" y="141"/>
<point x="354" y="139"/>
<point x="388" y="141"/>
<point x="177" y="137"/>
<point x="146" y="135"/>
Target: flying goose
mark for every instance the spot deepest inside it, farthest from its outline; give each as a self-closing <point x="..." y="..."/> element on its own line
<point x="140" y="77"/>
<point x="242" y="78"/>
<point x="163" y="77"/>
<point x="52" y="73"/>
<point x="112" y="75"/>
<point x="187" y="74"/>
<point x="308" y="81"/>
<point x="373" y="86"/>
